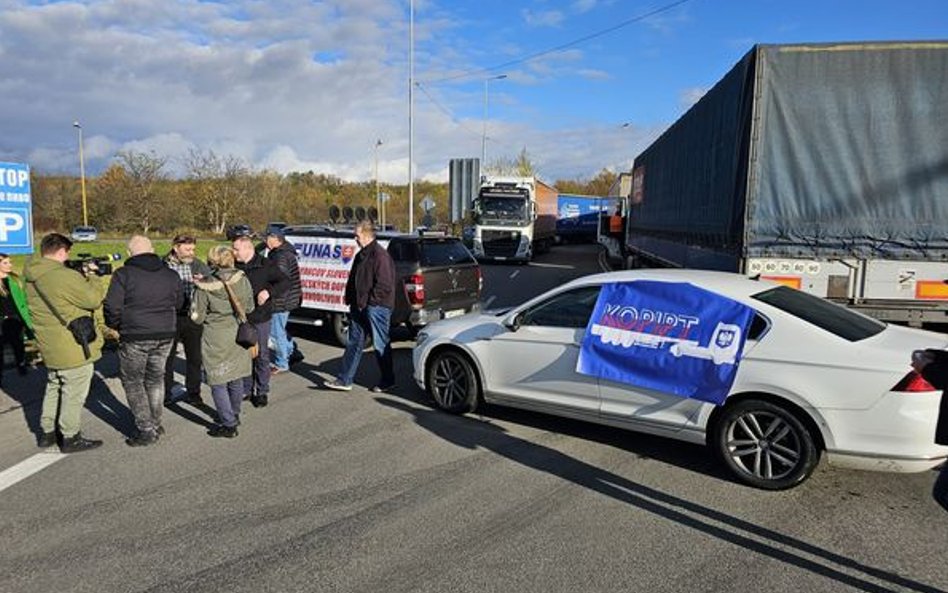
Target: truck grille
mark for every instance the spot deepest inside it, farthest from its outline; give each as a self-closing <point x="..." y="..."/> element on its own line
<point x="500" y="243"/>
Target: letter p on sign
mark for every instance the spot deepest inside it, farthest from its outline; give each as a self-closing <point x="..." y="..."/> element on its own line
<point x="9" y="222"/>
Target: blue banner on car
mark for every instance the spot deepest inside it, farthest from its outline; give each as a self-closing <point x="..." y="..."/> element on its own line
<point x="671" y="337"/>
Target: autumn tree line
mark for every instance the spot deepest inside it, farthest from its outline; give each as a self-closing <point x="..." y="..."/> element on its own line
<point x="138" y="193"/>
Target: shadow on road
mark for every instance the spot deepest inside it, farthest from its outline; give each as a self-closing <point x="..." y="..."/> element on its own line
<point x="473" y="434"/>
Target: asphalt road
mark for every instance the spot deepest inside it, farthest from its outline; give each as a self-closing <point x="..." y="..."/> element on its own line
<point x="327" y="491"/>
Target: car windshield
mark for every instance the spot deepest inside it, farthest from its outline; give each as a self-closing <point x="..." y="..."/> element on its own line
<point x="836" y="319"/>
<point x="84" y="229"/>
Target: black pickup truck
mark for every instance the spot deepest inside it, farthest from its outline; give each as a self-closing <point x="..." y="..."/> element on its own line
<point x="436" y="277"/>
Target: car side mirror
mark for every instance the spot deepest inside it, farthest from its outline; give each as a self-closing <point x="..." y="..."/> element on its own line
<point x="514" y="322"/>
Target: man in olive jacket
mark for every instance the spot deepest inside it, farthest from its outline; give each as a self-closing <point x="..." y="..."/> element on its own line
<point x="70" y="371"/>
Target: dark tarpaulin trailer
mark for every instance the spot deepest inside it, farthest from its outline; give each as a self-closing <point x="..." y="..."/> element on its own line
<point x="817" y="150"/>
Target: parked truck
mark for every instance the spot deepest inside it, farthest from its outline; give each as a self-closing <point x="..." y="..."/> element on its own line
<point x="577" y="217"/>
<point x="823" y="167"/>
<point x="514" y="218"/>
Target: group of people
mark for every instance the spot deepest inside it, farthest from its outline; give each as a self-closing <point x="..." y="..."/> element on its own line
<point x="153" y="304"/>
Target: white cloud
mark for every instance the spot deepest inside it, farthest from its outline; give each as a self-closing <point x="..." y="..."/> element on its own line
<point x="593" y="74"/>
<point x="581" y="6"/>
<point x="690" y="96"/>
<point x="543" y="18"/>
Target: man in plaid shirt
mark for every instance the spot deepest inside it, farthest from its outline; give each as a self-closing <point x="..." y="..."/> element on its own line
<point x="181" y="259"/>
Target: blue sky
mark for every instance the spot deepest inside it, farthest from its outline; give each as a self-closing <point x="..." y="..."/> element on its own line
<point x="298" y="85"/>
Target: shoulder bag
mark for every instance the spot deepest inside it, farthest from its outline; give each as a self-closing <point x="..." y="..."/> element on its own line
<point x="82" y="328"/>
<point x="246" y="332"/>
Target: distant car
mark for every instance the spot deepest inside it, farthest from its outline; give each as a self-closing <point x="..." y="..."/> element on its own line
<point x="814" y="377"/>
<point x="274" y="226"/>
<point x="238" y="230"/>
<point x="84" y="234"/>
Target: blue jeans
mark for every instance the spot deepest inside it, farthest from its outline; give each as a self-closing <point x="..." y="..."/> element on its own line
<point x="258" y="382"/>
<point x="374" y="321"/>
<point x="282" y="344"/>
<point x="227" y="398"/>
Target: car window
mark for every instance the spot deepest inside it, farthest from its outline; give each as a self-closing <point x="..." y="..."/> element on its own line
<point x="836" y="319"/>
<point x="403" y="250"/>
<point x="758" y="328"/>
<point x="445" y="253"/>
<point x="566" y="309"/>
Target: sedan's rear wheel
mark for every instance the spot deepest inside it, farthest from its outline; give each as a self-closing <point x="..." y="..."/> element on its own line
<point x="452" y="382"/>
<point x="765" y="445"/>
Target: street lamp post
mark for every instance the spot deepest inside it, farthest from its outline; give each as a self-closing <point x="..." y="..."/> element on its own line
<point x="411" y="113"/>
<point x="378" y="196"/>
<point x="484" y="137"/>
<point x="82" y="175"/>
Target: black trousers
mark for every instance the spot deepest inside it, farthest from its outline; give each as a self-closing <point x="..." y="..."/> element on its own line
<point x="188" y="334"/>
<point x="12" y="334"/>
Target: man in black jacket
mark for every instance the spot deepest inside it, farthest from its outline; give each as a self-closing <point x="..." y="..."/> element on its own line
<point x="269" y="284"/>
<point x="283" y="254"/>
<point x="141" y="305"/>
<point x="933" y="366"/>
<point x="370" y="294"/>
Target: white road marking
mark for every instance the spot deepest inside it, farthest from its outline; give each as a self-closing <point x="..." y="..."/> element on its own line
<point x="28" y="467"/>
<point x="560" y="266"/>
<point x="514" y="275"/>
<point x="489" y="301"/>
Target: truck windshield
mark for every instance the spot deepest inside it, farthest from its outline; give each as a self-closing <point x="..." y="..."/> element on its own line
<point x="502" y="210"/>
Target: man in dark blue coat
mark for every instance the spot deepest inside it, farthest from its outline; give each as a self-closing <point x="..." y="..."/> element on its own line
<point x="141" y="305"/>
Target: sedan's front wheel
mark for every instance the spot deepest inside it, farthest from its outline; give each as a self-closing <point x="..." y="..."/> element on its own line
<point x="765" y="445"/>
<point x="452" y="382"/>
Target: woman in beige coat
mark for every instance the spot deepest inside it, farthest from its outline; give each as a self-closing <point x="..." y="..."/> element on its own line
<point x="226" y="363"/>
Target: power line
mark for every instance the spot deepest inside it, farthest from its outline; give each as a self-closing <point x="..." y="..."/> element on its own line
<point x="454" y="119"/>
<point x="560" y="47"/>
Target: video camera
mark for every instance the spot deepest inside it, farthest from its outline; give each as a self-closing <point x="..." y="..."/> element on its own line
<point x="103" y="263"/>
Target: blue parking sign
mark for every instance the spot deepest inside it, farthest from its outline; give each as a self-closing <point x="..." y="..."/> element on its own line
<point x="16" y="209"/>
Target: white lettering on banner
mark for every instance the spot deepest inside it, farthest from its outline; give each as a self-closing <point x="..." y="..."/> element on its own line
<point x="14" y="177"/>
<point x="9" y="222"/>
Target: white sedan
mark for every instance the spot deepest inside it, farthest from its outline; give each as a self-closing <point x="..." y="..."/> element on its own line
<point x="815" y="377"/>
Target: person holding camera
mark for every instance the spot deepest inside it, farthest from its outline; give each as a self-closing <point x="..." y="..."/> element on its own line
<point x="61" y="303"/>
<point x="141" y="305"/>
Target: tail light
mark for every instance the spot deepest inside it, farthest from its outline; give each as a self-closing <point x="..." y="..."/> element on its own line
<point x="415" y="289"/>
<point x="480" y="280"/>
<point x="913" y="383"/>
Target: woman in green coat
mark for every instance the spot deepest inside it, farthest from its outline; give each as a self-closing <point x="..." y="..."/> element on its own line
<point x="226" y="363"/>
<point x="14" y="314"/>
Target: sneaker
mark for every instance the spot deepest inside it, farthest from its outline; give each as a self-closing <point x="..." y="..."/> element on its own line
<point x="296" y="357"/>
<point x="78" y="443"/>
<point x="383" y="388"/>
<point x="46" y="440"/>
<point x="142" y="439"/>
<point x="176" y="392"/>
<point x="218" y="431"/>
<point x="337" y="385"/>
<point x="194" y="399"/>
<point x="259" y="401"/>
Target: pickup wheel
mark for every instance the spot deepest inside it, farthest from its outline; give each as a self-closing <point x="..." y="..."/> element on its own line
<point x="452" y="382"/>
<point x="764" y="444"/>
<point x="340" y="328"/>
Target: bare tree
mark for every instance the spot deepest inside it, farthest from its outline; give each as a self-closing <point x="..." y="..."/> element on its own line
<point x="221" y="185"/>
<point x="139" y="198"/>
